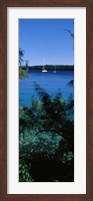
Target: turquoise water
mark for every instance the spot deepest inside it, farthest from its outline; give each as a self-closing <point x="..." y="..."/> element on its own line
<point x="51" y="82"/>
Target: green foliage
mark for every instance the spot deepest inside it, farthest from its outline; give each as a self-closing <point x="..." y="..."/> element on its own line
<point x="22" y="74"/>
<point x="24" y="175"/>
<point x="70" y="83"/>
<point x="21" y="55"/>
<point x="47" y="117"/>
<point x="26" y="65"/>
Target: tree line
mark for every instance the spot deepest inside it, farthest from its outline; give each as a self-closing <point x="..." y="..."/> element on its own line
<point x="49" y="67"/>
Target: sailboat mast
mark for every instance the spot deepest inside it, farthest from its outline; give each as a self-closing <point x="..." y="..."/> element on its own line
<point x="43" y="69"/>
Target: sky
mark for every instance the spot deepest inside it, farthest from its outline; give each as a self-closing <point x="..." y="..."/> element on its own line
<point x="45" y="41"/>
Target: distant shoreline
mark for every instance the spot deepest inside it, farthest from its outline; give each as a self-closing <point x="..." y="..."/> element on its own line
<point x="50" y="67"/>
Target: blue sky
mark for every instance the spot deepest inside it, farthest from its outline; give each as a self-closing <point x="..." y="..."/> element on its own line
<point x="46" y="40"/>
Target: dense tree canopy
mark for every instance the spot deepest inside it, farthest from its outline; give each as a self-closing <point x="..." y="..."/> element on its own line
<point x="22" y="72"/>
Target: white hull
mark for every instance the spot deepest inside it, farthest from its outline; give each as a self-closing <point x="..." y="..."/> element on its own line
<point x="54" y="71"/>
<point x="44" y="71"/>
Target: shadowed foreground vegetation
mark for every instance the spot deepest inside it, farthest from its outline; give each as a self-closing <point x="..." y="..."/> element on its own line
<point x="46" y="139"/>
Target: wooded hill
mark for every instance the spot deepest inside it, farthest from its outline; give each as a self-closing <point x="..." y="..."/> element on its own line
<point x="49" y="67"/>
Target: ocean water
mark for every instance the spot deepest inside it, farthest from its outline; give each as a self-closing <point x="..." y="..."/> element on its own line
<point x="51" y="82"/>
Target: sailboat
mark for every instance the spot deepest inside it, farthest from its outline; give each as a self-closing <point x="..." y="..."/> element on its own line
<point x="54" y="70"/>
<point x="43" y="69"/>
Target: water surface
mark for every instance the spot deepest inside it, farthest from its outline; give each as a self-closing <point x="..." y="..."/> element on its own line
<point x="51" y="82"/>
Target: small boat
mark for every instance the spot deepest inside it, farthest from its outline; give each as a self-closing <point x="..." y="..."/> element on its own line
<point x="54" y="70"/>
<point x="43" y="69"/>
